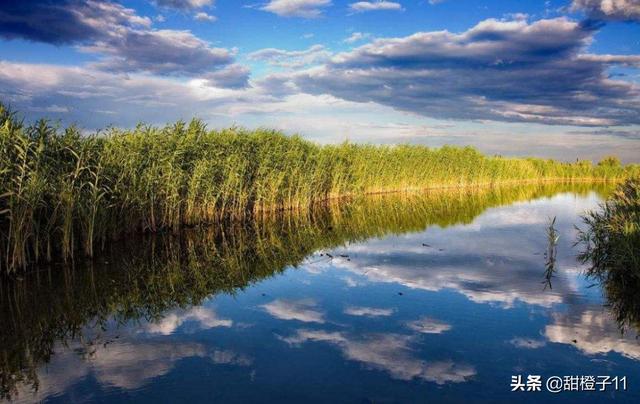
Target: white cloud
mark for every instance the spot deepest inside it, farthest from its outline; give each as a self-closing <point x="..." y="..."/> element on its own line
<point x="124" y="365"/>
<point x="164" y="52"/>
<point x="356" y="37"/>
<point x="130" y="98"/>
<point x="362" y="6"/>
<point x="96" y="99"/>
<point x="291" y="58"/>
<point x="391" y="353"/>
<point x="203" y="317"/>
<point x="184" y="4"/>
<point x="511" y="71"/>
<point x="204" y="17"/>
<point x="297" y="8"/>
<point x="473" y="261"/>
<point x="623" y="10"/>
<point x="231" y="76"/>
<point x="593" y="332"/>
<point x="66" y="21"/>
<point x="304" y="310"/>
<point x="121" y="39"/>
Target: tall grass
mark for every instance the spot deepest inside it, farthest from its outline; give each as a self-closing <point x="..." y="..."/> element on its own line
<point x="64" y="193"/>
<point x="612" y="235"/>
<point x="611" y="248"/>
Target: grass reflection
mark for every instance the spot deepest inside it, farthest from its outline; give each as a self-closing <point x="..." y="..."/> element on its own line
<point x="142" y="280"/>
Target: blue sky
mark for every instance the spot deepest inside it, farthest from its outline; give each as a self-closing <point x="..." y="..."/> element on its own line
<point x="547" y="78"/>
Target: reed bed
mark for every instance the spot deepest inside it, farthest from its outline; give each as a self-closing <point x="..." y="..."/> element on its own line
<point x="611" y="238"/>
<point x="611" y="249"/>
<point x="64" y="193"/>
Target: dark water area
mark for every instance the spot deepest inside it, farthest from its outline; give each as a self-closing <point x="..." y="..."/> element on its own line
<point x="442" y="297"/>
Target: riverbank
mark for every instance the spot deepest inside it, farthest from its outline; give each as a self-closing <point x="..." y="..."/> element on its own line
<point x="64" y="193"/>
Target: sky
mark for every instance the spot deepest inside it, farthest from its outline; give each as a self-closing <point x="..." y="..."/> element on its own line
<point x="557" y="79"/>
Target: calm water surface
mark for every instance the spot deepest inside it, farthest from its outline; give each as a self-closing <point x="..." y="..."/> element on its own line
<point x="390" y="299"/>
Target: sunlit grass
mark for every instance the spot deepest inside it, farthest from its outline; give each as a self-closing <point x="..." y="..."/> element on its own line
<point x="62" y="193"/>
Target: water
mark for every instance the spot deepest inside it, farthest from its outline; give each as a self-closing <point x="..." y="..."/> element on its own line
<point x="434" y="298"/>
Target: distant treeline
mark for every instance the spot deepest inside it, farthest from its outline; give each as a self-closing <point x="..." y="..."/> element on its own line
<point x="62" y="192"/>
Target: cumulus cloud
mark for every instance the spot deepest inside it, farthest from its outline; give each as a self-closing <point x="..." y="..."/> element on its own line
<point x="184" y="4"/>
<point x="391" y="353"/>
<point x="65" y="21"/>
<point x="232" y="76"/>
<point x="124" y="85"/>
<point x="98" y="99"/>
<point x="165" y="52"/>
<point x="511" y="71"/>
<point x="124" y="40"/>
<point x="204" y="17"/>
<point x="356" y="37"/>
<point x="611" y="10"/>
<point x="291" y="59"/>
<point x="304" y="310"/>
<point x="297" y="8"/>
<point x="362" y="6"/>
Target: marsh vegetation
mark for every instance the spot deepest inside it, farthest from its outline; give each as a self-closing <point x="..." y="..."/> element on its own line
<point x="64" y="193"/>
<point x="551" y="254"/>
<point x="610" y="244"/>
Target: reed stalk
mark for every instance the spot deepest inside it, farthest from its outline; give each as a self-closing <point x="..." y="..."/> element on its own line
<point x="63" y="193"/>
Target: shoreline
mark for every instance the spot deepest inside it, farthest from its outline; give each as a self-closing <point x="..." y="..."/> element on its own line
<point x="458" y="187"/>
<point x="499" y="193"/>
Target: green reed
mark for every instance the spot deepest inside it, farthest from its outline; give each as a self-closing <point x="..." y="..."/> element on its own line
<point x="64" y="193"/>
<point x="611" y="248"/>
<point x="611" y="239"/>
<point x="551" y="253"/>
